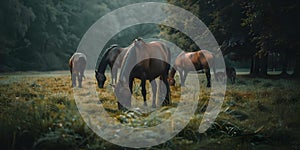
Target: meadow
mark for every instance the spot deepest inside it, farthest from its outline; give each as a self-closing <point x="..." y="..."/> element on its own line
<point x="38" y="111"/>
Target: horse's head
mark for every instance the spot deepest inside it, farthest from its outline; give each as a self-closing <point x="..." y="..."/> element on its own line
<point x="123" y="95"/>
<point x="171" y="81"/>
<point x="100" y="79"/>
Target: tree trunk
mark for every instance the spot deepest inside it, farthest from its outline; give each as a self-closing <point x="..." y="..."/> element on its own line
<point x="296" y="73"/>
<point x="254" y="65"/>
<point x="264" y="65"/>
<point x="284" y="65"/>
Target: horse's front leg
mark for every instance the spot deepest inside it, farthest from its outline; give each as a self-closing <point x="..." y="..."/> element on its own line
<point x="130" y="88"/>
<point x="208" y="77"/>
<point x="183" y="77"/>
<point x="114" y="75"/>
<point x="143" y="85"/>
<point x="154" y="91"/>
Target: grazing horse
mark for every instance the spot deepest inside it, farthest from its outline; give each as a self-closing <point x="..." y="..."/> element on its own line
<point x="145" y="61"/>
<point x="77" y="64"/>
<point x="113" y="57"/>
<point x="230" y="73"/>
<point x="192" y="61"/>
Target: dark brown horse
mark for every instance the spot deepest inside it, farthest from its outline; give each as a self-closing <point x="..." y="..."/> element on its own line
<point x="145" y="61"/>
<point x="113" y="57"/>
<point x="77" y="64"/>
<point x="192" y="61"/>
<point x="230" y="73"/>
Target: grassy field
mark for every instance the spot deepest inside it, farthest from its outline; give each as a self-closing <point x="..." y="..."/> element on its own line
<point x="38" y="111"/>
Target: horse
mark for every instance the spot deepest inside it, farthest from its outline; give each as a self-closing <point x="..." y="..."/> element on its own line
<point x="144" y="61"/>
<point x="77" y="64"/>
<point x="230" y="73"/>
<point x="220" y="76"/>
<point x="190" y="61"/>
<point x="110" y="58"/>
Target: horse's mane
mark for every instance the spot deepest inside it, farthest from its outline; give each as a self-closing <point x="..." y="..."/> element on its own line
<point x="103" y="58"/>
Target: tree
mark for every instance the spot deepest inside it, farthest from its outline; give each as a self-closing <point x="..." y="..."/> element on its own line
<point x="250" y="29"/>
<point x="43" y="34"/>
<point x="273" y="28"/>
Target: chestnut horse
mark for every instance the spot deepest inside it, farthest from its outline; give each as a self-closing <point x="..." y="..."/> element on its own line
<point x="77" y="64"/>
<point x="145" y="61"/>
<point x="113" y="57"/>
<point x="192" y="61"/>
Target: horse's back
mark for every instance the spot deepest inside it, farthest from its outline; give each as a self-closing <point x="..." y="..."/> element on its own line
<point x="160" y="51"/>
<point x="76" y="56"/>
<point x="78" y="62"/>
<point x="194" y="60"/>
<point x="152" y="59"/>
<point x="205" y="57"/>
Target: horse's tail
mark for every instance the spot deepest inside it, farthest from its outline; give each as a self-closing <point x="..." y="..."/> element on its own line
<point x="70" y="65"/>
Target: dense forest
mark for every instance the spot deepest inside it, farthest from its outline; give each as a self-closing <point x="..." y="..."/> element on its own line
<point x="250" y="30"/>
<point x="42" y="35"/>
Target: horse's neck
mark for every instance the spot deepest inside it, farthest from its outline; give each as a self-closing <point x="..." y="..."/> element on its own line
<point x="102" y="66"/>
<point x="172" y="72"/>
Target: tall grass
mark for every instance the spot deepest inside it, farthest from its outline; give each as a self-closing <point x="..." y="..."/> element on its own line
<point x="40" y="113"/>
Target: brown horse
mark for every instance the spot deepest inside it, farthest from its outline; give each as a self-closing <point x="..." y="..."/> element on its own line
<point x="113" y="57"/>
<point x="77" y="64"/>
<point x="192" y="61"/>
<point x="145" y="61"/>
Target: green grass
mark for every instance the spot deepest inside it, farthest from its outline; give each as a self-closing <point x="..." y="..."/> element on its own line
<point x="40" y="112"/>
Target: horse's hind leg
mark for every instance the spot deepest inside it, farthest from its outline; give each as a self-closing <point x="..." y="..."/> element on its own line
<point x="154" y="91"/>
<point x="73" y="77"/>
<point x="79" y="77"/>
<point x="143" y="84"/>
<point x="208" y="77"/>
<point x="183" y="75"/>
<point x="114" y="73"/>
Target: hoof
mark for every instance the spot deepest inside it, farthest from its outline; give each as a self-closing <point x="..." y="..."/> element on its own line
<point x="166" y="103"/>
<point x="145" y="104"/>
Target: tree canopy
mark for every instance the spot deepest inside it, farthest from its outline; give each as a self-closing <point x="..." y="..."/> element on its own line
<point x="250" y="29"/>
<point x="43" y="34"/>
